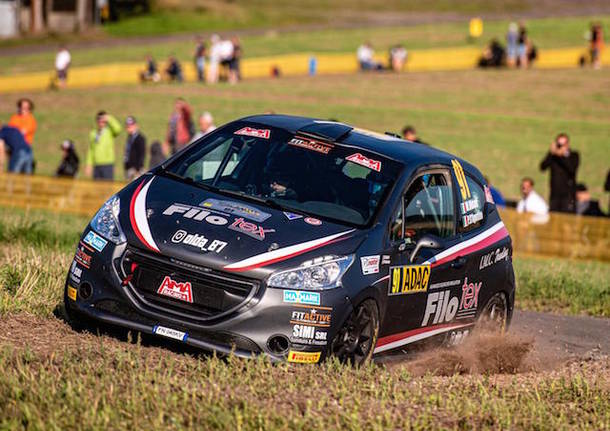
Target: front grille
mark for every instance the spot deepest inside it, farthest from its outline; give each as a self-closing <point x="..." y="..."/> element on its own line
<point x="211" y="294"/>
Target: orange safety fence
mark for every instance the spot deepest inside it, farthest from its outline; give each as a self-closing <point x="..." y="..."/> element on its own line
<point x="562" y="235"/>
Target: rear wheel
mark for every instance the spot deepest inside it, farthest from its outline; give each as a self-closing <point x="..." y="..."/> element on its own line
<point x="494" y="317"/>
<point x="356" y="340"/>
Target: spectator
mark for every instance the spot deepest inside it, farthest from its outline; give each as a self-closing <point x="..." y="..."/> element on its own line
<point x="156" y="155"/>
<point x="135" y="150"/>
<point x="214" y="59"/>
<point x="597" y="45"/>
<point x="101" y="156"/>
<point x="496" y="195"/>
<point x="174" y="69"/>
<point x="24" y="120"/>
<point x="366" y="57"/>
<point x="234" y="70"/>
<point x="69" y="160"/>
<point x="21" y="158"/>
<point x="607" y="189"/>
<point x="200" y="59"/>
<point x="512" y="39"/>
<point x="151" y="72"/>
<point x="563" y="164"/>
<point x="493" y="55"/>
<point x="180" y="128"/>
<point x="584" y="204"/>
<point x="522" y="46"/>
<point x="62" y="63"/>
<point x="398" y="58"/>
<point x="410" y="134"/>
<point x="531" y="202"/>
<point x="206" y="125"/>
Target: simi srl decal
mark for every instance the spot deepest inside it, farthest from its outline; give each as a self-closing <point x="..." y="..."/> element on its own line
<point x="138" y="218"/>
<point x="284" y="253"/>
<point x="409" y="279"/>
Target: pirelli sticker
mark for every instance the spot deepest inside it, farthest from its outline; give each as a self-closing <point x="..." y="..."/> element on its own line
<point x="461" y="179"/>
<point x="303" y="357"/>
<point x="408" y="279"/>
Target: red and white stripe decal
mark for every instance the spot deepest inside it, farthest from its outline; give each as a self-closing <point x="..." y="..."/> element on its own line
<point x="137" y="216"/>
<point x="285" y="253"/>
<point x="476" y="243"/>
<point x="393" y="341"/>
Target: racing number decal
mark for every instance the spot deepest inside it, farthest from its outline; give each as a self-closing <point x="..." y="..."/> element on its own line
<point x="461" y="178"/>
<point x="409" y="279"/>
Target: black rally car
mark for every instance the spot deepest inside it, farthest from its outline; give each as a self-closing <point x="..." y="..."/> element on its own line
<point x="299" y="239"/>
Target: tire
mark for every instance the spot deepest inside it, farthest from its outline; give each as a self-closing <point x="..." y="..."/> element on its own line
<point x="494" y="317"/>
<point x="355" y="341"/>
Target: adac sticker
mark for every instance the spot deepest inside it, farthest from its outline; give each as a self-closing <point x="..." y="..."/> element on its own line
<point x="409" y="279"/>
<point x="301" y="297"/>
<point x="303" y="357"/>
<point x="257" y="133"/>
<point x="95" y="241"/>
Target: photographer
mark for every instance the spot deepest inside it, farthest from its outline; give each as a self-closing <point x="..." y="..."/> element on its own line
<point x="563" y="164"/>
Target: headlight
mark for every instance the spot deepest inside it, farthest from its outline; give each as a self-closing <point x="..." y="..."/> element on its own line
<point x="318" y="274"/>
<point x="106" y="221"/>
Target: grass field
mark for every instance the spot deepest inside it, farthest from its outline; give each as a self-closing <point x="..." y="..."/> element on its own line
<point x="502" y="121"/>
<point x="56" y="378"/>
<point x="546" y="33"/>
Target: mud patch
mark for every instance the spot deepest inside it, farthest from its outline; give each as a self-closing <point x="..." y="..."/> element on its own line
<point x="479" y="354"/>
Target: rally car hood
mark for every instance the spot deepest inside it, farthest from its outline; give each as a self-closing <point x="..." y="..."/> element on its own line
<point x="177" y="220"/>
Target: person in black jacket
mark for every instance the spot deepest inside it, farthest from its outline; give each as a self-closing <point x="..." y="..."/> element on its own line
<point x="69" y="161"/>
<point x="135" y="150"/>
<point x="563" y="164"/>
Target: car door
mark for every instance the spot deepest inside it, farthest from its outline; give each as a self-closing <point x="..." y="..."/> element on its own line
<point x="420" y="288"/>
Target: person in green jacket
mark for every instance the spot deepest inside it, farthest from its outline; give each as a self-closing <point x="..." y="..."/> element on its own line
<point x="100" y="157"/>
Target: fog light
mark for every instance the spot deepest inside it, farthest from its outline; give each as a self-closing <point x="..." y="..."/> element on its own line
<point x="278" y="344"/>
<point x="85" y="290"/>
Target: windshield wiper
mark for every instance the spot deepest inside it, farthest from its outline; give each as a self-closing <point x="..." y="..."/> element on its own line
<point x="189" y="180"/>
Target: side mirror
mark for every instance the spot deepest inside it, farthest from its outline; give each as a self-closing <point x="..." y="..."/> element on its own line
<point x="426" y="241"/>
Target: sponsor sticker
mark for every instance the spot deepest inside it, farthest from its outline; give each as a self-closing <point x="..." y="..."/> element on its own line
<point x="365" y="161"/>
<point x="469" y="205"/>
<point x="313" y="221"/>
<point x="409" y="279"/>
<point x="310" y="144"/>
<point x="75" y="272"/>
<point x="305" y="334"/>
<point x="82" y="258"/>
<point x="385" y="259"/>
<point x="461" y="179"/>
<point x="199" y="241"/>
<point x="195" y="213"/>
<point x="493" y="258"/>
<point x="95" y="241"/>
<point x="251" y="229"/>
<point x="292" y="216"/>
<point x="304" y="357"/>
<point x="236" y="209"/>
<point x="370" y="264"/>
<point x="312" y="316"/>
<point x="257" y="133"/>
<point x="301" y="297"/>
<point x="473" y="218"/>
<point x="442" y="307"/>
<point x="71" y="293"/>
<point x="488" y="197"/>
<point x="170" y="333"/>
<point x="177" y="290"/>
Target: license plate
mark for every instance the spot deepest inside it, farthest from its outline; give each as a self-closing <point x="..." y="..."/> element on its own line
<point x="170" y="333"/>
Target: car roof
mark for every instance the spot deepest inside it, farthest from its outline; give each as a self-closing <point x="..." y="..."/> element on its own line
<point x="410" y="153"/>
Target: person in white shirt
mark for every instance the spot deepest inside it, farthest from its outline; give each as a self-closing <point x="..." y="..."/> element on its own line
<point x="62" y="63"/>
<point x="531" y="202"/>
<point x="206" y="125"/>
<point x="365" y="56"/>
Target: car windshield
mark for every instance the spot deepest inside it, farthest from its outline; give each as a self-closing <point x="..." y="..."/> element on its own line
<point x="291" y="172"/>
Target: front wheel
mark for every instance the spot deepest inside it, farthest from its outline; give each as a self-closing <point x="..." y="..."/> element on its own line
<point x="356" y="340"/>
<point x="494" y="317"/>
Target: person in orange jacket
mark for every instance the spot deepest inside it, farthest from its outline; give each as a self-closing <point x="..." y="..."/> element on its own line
<point x="24" y="120"/>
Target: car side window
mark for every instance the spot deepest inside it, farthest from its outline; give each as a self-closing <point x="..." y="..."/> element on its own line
<point x="428" y="209"/>
<point x="396" y="228"/>
<point x="471" y="208"/>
